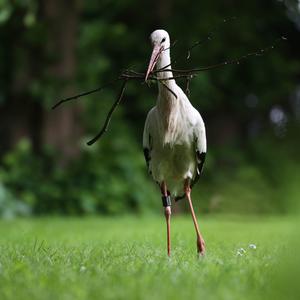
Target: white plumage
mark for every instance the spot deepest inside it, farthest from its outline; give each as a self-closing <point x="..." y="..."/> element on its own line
<point x="174" y="138"/>
<point x="174" y="130"/>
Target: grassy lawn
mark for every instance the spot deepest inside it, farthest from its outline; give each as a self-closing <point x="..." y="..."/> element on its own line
<point x="125" y="258"/>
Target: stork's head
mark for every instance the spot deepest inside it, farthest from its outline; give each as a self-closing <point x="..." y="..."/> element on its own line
<point x="160" y="41"/>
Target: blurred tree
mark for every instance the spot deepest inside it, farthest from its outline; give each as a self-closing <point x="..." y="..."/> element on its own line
<point x="40" y="38"/>
<point x="62" y="129"/>
<point x="52" y="49"/>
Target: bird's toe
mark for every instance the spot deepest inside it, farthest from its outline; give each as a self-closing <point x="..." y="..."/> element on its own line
<point x="201" y="246"/>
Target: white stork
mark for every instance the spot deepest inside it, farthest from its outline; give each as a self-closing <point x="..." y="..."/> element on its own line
<point x="174" y="138"/>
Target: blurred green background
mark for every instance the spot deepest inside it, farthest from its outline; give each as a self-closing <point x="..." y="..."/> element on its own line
<point x="52" y="49"/>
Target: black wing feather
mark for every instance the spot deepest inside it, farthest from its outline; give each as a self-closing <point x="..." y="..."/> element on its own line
<point x="147" y="156"/>
<point x="200" y="164"/>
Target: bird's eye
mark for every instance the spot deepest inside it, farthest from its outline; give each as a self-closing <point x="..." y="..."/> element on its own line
<point x="163" y="40"/>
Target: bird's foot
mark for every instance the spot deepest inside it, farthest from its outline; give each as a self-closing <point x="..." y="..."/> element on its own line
<point x="200" y="246"/>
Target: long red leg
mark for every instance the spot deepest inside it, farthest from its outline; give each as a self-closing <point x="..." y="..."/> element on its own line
<point x="168" y="218"/>
<point x="200" y="240"/>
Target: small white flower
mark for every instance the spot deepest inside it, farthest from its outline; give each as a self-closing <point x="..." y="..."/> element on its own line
<point x="238" y="253"/>
<point x="252" y="246"/>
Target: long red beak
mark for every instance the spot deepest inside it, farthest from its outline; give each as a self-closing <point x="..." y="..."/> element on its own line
<point x="157" y="49"/>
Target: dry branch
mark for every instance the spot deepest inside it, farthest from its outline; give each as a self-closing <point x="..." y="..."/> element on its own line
<point x="85" y="93"/>
<point x="188" y="74"/>
<point x="108" y="118"/>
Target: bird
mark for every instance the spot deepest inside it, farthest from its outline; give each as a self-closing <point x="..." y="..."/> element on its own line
<point x="174" y="137"/>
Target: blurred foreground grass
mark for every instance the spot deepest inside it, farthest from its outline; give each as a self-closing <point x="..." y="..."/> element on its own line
<point x="124" y="258"/>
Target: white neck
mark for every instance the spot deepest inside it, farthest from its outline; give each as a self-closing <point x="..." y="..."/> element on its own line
<point x="167" y="103"/>
<point x="164" y="61"/>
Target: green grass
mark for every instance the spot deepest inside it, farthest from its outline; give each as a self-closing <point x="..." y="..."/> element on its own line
<point x="125" y="258"/>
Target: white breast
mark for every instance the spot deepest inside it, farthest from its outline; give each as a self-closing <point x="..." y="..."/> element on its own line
<point x="171" y="142"/>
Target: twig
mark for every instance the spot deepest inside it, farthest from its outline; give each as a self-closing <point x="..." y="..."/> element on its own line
<point x="170" y="90"/>
<point x="178" y="74"/>
<point x="85" y="93"/>
<point x="201" y="42"/>
<point x="210" y="35"/>
<point x="109" y="116"/>
<point x="184" y="73"/>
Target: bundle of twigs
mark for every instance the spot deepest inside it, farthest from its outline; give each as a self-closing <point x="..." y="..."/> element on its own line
<point x="187" y="74"/>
